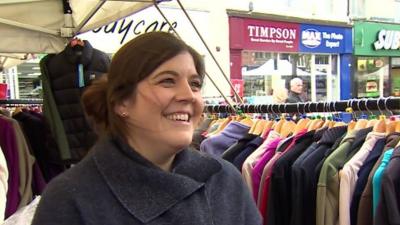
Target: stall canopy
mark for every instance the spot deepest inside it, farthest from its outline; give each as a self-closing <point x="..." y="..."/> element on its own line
<point x="44" y="26"/>
<point x="284" y="67"/>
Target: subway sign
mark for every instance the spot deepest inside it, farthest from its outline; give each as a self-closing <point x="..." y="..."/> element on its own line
<point x="387" y="40"/>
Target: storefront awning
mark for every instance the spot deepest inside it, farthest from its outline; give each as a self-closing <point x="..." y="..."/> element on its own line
<point x="284" y="67"/>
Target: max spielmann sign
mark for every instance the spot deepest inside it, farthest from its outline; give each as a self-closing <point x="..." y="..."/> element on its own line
<point x="318" y="38"/>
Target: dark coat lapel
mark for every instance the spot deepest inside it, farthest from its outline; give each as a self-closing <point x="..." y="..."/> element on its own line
<point x="145" y="190"/>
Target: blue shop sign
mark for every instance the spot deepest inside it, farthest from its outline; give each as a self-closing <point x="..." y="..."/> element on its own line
<point x="325" y="39"/>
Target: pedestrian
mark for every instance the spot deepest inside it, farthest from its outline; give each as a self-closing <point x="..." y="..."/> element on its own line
<point x="141" y="171"/>
<point x="296" y="89"/>
<point x="279" y="95"/>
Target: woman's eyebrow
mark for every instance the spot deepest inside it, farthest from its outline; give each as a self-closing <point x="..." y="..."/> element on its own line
<point x="171" y="72"/>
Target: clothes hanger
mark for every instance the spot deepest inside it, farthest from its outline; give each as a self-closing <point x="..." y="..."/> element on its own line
<point x="317" y="122"/>
<point x="361" y="122"/>
<point x="255" y="121"/>
<point x="354" y="119"/>
<point x="380" y="125"/>
<point x="269" y="124"/>
<point x="303" y="122"/>
<point x="288" y="126"/>
<point x="279" y="125"/>
<point x="339" y="121"/>
<point x="372" y="118"/>
<point x="327" y="117"/>
<point x="247" y="120"/>
<point x="258" y="130"/>
<point x="390" y="123"/>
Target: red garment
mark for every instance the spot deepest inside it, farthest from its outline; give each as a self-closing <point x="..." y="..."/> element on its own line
<point x="263" y="199"/>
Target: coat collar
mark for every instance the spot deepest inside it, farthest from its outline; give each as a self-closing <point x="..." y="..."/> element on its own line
<point x="331" y="135"/>
<point x="84" y="58"/>
<point x="392" y="139"/>
<point x="145" y="190"/>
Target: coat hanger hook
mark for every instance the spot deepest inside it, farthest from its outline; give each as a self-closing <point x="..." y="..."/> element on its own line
<point x="387" y="109"/>
<point x="366" y="106"/>
<point x="377" y="104"/>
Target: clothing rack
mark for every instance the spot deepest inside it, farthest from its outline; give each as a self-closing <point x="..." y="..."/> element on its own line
<point x="381" y="104"/>
<point x="21" y="102"/>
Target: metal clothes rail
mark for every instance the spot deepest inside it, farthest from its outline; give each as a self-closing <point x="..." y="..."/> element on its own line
<point x="382" y="104"/>
<point x="21" y="102"/>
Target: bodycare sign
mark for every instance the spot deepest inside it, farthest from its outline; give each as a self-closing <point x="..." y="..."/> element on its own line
<point x="271" y="35"/>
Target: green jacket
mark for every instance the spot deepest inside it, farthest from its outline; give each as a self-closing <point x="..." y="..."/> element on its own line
<point x="327" y="211"/>
<point x="51" y="113"/>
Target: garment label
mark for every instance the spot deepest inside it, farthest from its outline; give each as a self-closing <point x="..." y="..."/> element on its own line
<point x="81" y="79"/>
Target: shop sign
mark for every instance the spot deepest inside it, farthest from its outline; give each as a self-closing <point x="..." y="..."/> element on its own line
<point x="271" y="35"/>
<point x="238" y="85"/>
<point x="388" y="39"/>
<point x="325" y="39"/>
<point x="109" y="38"/>
<point x="376" y="39"/>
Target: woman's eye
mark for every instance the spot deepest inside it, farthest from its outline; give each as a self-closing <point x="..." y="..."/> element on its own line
<point x="168" y="81"/>
<point x="196" y="84"/>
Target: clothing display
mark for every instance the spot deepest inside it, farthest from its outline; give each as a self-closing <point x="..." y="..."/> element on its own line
<point x="314" y="175"/>
<point x="21" y="177"/>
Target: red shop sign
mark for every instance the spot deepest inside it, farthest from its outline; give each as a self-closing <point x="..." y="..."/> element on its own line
<point x="238" y="85"/>
<point x="270" y="35"/>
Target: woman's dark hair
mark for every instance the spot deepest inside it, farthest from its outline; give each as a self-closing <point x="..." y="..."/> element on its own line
<point x="132" y="63"/>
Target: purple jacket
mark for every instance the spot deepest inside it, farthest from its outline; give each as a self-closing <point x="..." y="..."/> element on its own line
<point x="9" y="147"/>
<point x="217" y="144"/>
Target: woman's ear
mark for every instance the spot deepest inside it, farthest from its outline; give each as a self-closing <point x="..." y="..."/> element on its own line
<point x="121" y="108"/>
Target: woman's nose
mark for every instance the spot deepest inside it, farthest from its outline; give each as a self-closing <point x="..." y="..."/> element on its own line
<point x="184" y="92"/>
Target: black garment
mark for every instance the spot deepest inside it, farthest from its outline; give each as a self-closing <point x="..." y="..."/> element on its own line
<point x="304" y="179"/>
<point x="114" y="185"/>
<point x="362" y="180"/>
<point x="358" y="142"/>
<point x="198" y="133"/>
<point x="235" y="149"/>
<point x="318" y="168"/>
<point x="388" y="210"/>
<point x="64" y="80"/>
<point x="279" y="196"/>
<point x="246" y="152"/>
<point x="392" y="140"/>
<point x="42" y="144"/>
<point x="293" y="97"/>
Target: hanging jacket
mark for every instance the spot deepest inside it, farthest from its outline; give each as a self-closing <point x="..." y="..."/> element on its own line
<point x="67" y="85"/>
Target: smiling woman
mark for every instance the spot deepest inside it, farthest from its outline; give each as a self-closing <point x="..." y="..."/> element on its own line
<point x="141" y="171"/>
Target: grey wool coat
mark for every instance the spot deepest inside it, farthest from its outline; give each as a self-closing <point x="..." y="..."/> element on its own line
<point x="114" y="185"/>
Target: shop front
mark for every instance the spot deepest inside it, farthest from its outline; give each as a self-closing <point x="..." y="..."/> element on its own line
<point x="267" y="54"/>
<point x="377" y="59"/>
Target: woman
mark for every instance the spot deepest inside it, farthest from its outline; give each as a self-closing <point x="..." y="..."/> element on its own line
<point x="141" y="171"/>
<point x="279" y="95"/>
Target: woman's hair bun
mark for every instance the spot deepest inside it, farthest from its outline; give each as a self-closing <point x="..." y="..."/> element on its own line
<point x="94" y="101"/>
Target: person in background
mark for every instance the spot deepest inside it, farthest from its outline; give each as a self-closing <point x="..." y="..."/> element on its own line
<point x="279" y="95"/>
<point x="296" y="89"/>
<point x="141" y="171"/>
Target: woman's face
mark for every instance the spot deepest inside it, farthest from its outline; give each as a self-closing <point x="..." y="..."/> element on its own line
<point x="166" y="106"/>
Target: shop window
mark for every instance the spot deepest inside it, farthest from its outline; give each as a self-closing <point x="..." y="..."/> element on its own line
<point x="372" y="76"/>
<point x="395" y="77"/>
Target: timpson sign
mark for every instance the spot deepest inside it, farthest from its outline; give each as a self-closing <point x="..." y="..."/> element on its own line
<point x="271" y="35"/>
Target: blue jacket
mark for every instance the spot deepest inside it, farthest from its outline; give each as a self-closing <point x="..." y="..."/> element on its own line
<point x="114" y="185"/>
